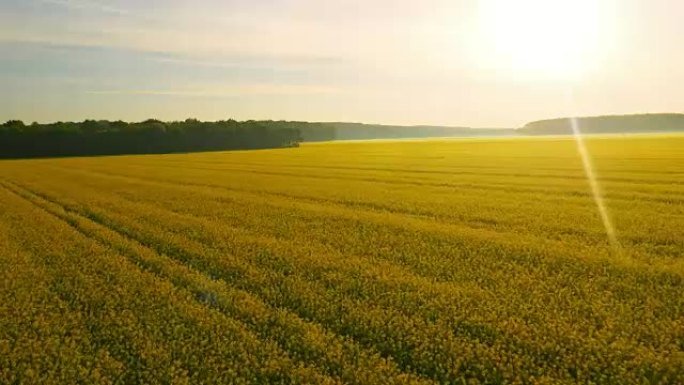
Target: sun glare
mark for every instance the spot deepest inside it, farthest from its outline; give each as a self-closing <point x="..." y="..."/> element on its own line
<point x="553" y="38"/>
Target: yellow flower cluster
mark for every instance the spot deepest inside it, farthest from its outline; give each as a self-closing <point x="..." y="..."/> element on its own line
<point x="458" y="261"/>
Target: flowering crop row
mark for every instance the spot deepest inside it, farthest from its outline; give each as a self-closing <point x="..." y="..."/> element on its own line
<point x="368" y="263"/>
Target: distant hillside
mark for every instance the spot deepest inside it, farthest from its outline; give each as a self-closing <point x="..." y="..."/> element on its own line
<point x="359" y="131"/>
<point x="615" y="124"/>
<point x="642" y="123"/>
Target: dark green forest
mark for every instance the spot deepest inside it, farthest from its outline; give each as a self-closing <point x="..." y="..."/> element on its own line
<point x="102" y="137"/>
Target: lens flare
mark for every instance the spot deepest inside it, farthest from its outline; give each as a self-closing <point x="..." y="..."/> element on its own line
<point x="596" y="191"/>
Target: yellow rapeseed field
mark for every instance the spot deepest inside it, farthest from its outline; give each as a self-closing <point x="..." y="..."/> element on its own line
<point x="445" y="261"/>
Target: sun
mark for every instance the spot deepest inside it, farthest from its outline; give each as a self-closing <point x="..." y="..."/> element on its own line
<point x="550" y="38"/>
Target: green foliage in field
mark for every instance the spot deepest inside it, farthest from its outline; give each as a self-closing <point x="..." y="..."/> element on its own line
<point x="471" y="261"/>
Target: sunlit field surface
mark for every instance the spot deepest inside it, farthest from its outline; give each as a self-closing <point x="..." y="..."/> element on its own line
<point x="452" y="261"/>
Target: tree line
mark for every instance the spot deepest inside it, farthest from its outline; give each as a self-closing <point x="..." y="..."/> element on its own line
<point x="102" y="137"/>
<point x="639" y="123"/>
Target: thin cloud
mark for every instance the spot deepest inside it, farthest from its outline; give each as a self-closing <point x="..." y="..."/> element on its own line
<point x="237" y="59"/>
<point x="255" y="89"/>
<point x="86" y="5"/>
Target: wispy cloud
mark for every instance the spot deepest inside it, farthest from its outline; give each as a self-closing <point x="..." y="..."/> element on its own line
<point x="231" y="61"/>
<point x="239" y="90"/>
<point x="86" y="5"/>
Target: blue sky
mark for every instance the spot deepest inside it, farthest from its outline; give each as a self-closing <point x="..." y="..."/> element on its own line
<point x="455" y="62"/>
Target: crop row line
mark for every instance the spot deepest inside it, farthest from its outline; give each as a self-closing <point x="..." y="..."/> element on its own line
<point x="467" y="224"/>
<point x="348" y="317"/>
<point x="119" y="349"/>
<point x="305" y="341"/>
<point x="294" y="302"/>
<point x="564" y="176"/>
<point x="358" y="206"/>
<point x="508" y="188"/>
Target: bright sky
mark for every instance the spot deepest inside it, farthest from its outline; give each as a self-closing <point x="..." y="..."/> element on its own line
<point x="482" y="63"/>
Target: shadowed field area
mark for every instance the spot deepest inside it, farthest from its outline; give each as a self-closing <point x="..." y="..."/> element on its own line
<point x="452" y="261"/>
